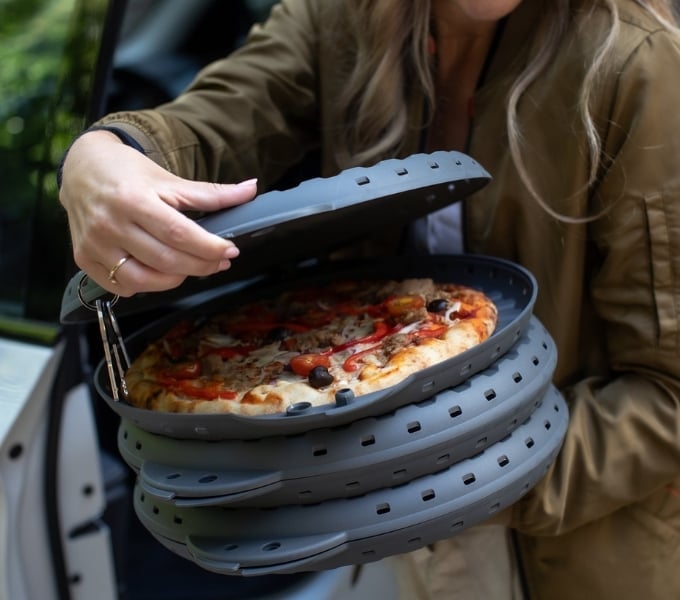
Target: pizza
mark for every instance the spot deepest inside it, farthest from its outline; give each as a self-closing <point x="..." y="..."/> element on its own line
<point x="306" y="344"/>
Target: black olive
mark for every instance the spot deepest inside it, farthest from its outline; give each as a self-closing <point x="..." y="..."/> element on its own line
<point x="277" y="334"/>
<point x="439" y="305"/>
<point x="320" y="377"/>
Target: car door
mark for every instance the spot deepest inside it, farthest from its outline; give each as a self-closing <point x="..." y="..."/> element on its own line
<point x="53" y="542"/>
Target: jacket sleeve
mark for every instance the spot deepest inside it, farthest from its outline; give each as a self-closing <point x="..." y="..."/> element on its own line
<point x="623" y="442"/>
<point x="251" y="114"/>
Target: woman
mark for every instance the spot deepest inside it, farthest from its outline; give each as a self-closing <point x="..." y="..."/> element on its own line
<point x="569" y="104"/>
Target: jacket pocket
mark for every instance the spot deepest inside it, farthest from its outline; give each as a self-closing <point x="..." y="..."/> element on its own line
<point x="664" y="235"/>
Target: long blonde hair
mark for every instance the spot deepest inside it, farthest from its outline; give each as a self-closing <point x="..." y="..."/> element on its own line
<point x="392" y="52"/>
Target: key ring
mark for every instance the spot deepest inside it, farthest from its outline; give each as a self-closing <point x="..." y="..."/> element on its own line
<point x="83" y="280"/>
<point x="115" y="353"/>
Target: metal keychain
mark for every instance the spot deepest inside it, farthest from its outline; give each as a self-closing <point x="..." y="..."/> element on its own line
<point x="115" y="353"/>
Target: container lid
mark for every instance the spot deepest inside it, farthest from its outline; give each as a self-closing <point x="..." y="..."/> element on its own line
<point x="281" y="228"/>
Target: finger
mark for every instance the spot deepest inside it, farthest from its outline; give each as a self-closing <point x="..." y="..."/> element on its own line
<point x="159" y="256"/>
<point x="175" y="232"/>
<point x="97" y="251"/>
<point x="160" y="236"/>
<point x="134" y="277"/>
<point x="184" y="194"/>
<point x="186" y="235"/>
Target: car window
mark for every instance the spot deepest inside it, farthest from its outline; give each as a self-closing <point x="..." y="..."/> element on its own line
<point x="64" y="63"/>
<point x="48" y="52"/>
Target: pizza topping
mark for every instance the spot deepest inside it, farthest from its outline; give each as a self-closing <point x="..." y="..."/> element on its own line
<point x="381" y="330"/>
<point x="405" y="307"/>
<point x="438" y="305"/>
<point x="429" y="330"/>
<point x="227" y="352"/>
<point x="302" y="364"/>
<point x="354" y="361"/>
<point x="172" y="341"/>
<point x="320" y="377"/>
<point x="278" y="334"/>
<point x="184" y="370"/>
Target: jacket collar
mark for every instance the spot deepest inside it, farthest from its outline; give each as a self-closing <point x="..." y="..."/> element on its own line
<point x="512" y="49"/>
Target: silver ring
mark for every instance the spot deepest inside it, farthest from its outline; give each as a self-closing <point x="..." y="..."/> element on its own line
<point x="114" y="269"/>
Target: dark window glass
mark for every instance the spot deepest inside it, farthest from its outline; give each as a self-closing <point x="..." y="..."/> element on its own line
<point x="48" y="52"/>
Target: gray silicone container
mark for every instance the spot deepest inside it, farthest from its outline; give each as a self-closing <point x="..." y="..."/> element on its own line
<point x="280" y="233"/>
<point x="290" y="539"/>
<point x="512" y="288"/>
<point x="368" y="454"/>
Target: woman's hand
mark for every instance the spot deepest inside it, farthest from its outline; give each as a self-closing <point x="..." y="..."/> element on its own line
<point x="124" y="214"/>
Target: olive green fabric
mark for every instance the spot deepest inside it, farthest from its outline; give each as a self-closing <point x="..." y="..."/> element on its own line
<point x="605" y="521"/>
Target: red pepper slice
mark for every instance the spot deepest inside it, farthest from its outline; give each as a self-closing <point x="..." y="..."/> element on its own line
<point x="205" y="390"/>
<point x="429" y="330"/>
<point x="353" y="362"/>
<point x="381" y="329"/>
<point x="304" y="363"/>
<point x="461" y="313"/>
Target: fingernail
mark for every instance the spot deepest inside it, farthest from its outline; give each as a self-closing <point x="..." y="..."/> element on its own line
<point x="231" y="252"/>
<point x="248" y="182"/>
<point x="224" y="265"/>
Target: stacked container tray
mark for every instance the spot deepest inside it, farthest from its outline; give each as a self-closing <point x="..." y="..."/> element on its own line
<point x="367" y="477"/>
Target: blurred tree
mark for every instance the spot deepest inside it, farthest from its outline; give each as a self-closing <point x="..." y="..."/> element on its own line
<point x="48" y="53"/>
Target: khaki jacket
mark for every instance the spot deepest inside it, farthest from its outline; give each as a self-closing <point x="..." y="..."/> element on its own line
<point x="604" y="523"/>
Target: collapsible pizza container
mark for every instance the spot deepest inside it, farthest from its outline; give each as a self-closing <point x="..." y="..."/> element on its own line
<point x="318" y="214"/>
<point x="371" y="453"/>
<point x="510" y="287"/>
<point x="364" y="477"/>
<point x="393" y="520"/>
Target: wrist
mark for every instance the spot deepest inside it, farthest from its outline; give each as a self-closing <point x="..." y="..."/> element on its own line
<point x="113" y="133"/>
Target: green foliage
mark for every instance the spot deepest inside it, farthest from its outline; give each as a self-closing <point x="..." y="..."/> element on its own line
<point x="48" y="53"/>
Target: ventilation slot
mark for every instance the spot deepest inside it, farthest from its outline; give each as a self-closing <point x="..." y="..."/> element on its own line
<point x="382" y="509"/>
<point x="427" y="495"/>
<point x="413" y="427"/>
<point x="271" y="546"/>
<point x="455" y="411"/>
<point x="469" y="478"/>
